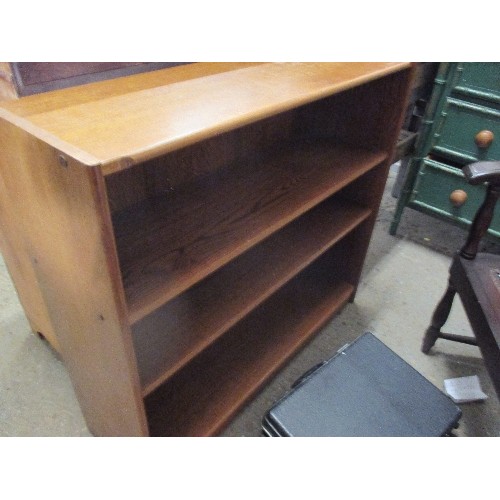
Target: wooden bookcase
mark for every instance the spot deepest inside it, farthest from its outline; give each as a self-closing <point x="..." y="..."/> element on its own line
<point x="178" y="235"/>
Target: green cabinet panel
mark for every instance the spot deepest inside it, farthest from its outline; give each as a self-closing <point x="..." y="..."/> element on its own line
<point x="465" y="101"/>
<point x="480" y="80"/>
<point x="457" y="128"/>
<point x="435" y="183"/>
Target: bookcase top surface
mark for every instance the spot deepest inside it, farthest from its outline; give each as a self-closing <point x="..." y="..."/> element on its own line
<point x="118" y="123"/>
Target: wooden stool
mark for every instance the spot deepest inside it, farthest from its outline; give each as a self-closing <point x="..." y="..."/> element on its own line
<point x="476" y="278"/>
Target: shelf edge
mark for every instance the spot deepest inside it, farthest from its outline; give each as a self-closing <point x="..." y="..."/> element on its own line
<point x="151" y="386"/>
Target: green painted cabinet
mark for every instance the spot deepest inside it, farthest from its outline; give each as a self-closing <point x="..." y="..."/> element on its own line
<point x="461" y="125"/>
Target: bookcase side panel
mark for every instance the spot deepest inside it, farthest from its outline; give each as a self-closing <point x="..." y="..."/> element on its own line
<point x="14" y="251"/>
<point x="60" y="209"/>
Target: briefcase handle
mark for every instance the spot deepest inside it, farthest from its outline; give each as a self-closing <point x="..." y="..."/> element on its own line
<point x="307" y="374"/>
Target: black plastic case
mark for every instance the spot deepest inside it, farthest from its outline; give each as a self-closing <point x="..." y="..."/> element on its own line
<point x="364" y="390"/>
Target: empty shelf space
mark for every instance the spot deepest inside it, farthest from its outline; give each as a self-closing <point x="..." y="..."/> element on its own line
<point x="167" y="244"/>
<point x="206" y="394"/>
<point x="170" y="337"/>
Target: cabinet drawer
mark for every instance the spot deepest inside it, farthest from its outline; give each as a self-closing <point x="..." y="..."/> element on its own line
<point x="457" y="132"/>
<point x="434" y="186"/>
<point x="478" y="80"/>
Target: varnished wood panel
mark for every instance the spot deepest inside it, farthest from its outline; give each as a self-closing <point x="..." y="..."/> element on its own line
<point x="52" y="101"/>
<point x="16" y="255"/>
<point x="203" y="167"/>
<point x="32" y="73"/>
<point x="129" y="187"/>
<point x="367" y="191"/>
<point x="36" y="77"/>
<point x="370" y="115"/>
<point x="482" y="274"/>
<point x="61" y="212"/>
<point x="163" y="248"/>
<point x="167" y="339"/>
<point x="140" y="125"/>
<point x="201" y="399"/>
<point x="163" y="175"/>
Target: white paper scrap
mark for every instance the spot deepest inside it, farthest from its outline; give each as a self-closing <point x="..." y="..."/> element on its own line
<point x="464" y="389"/>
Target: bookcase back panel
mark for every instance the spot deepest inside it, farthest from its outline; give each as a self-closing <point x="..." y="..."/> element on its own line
<point x="162" y="175"/>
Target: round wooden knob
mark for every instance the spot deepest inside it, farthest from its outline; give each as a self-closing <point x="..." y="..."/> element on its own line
<point x="458" y="197"/>
<point x="484" y="138"/>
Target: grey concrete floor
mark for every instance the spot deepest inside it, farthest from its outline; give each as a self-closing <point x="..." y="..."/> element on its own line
<point x="403" y="278"/>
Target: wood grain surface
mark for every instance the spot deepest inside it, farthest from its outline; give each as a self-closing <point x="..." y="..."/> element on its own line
<point x="170" y="243"/>
<point x="61" y="231"/>
<point x="128" y="127"/>
<point x="169" y="338"/>
<point x="201" y="399"/>
<point x="184" y="232"/>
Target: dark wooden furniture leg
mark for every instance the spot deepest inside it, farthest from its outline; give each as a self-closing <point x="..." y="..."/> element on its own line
<point x="475" y="278"/>
<point x="439" y="319"/>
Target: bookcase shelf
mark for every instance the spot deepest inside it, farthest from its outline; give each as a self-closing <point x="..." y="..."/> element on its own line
<point x="170" y="337"/>
<point x="163" y="251"/>
<point x="186" y="231"/>
<point x="201" y="399"/>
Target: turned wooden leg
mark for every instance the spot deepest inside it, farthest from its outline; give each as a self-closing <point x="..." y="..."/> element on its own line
<point x="439" y="318"/>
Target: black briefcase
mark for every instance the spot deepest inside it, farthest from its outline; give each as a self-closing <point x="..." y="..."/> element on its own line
<point x="364" y="390"/>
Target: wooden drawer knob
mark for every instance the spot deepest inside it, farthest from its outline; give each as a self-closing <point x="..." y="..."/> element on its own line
<point x="458" y="197"/>
<point x="484" y="138"/>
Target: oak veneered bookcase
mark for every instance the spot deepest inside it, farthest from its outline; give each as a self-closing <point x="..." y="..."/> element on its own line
<point x="179" y="234"/>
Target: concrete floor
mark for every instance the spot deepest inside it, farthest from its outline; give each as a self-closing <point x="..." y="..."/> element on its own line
<point x="403" y="278"/>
